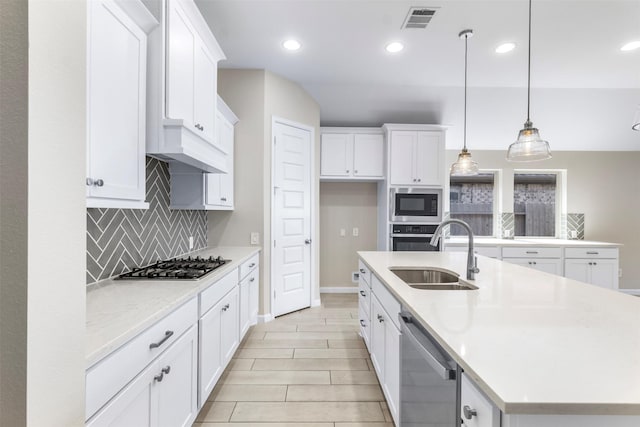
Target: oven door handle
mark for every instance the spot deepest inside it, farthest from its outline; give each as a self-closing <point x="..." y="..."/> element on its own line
<point x="411" y="235"/>
<point x="432" y="355"/>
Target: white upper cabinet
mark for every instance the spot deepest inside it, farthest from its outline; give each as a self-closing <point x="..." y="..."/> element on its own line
<point x="416" y="155"/>
<point x="352" y="154"/>
<point x="116" y="103"/>
<point x="183" y="89"/>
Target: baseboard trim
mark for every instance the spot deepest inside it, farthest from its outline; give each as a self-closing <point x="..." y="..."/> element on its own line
<point x="316" y="303"/>
<point x="265" y="318"/>
<point x="628" y="291"/>
<point x="338" y="289"/>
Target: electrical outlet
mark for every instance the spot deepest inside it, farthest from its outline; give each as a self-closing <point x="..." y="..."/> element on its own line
<point x="343" y="232"/>
<point x="355" y="276"/>
<point x="255" y="238"/>
<point x="190" y="242"/>
<point x="573" y="234"/>
<point x="356" y="232"/>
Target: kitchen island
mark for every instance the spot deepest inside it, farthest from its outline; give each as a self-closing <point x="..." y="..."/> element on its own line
<point x="545" y="349"/>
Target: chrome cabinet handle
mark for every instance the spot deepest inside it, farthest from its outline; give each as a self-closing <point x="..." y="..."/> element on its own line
<point x="419" y="179"/>
<point x="252" y="279"/>
<point x="363" y="271"/>
<point x="167" y="335"/>
<point x="469" y="412"/>
<point x="224" y="199"/>
<point x="347" y="170"/>
<point x="532" y="252"/>
<point x="253" y="264"/>
<point x="159" y="378"/>
<point x="363" y="294"/>
<point x="226" y="307"/>
<point x="199" y="127"/>
<point x="307" y="241"/>
<point x="166" y="369"/>
<point x="89" y="182"/>
<point x="362" y="323"/>
<point x="592" y="253"/>
<point x="98" y="183"/>
<point x="355" y="171"/>
<point x="380" y="318"/>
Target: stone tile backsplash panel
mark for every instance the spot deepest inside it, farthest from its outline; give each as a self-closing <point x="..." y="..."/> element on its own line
<point x="120" y="239"/>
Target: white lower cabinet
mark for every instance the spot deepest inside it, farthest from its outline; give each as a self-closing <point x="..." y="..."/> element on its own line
<point x="597" y="266"/>
<point x="219" y="338"/>
<point x="476" y="410"/>
<point x="552" y="266"/>
<point x="163" y="394"/>
<point x="385" y="354"/>
<point x="249" y="300"/>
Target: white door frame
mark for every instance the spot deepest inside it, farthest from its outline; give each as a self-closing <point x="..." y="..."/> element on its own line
<point x="312" y="152"/>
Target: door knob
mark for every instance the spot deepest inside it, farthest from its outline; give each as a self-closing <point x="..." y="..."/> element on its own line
<point x="307" y="241"/>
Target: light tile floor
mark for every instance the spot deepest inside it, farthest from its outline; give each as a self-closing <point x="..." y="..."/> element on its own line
<point x="309" y="369"/>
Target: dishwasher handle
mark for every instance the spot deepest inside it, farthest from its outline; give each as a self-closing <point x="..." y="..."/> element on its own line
<point x="432" y="355"/>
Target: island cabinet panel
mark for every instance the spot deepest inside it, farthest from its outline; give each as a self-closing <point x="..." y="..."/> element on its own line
<point x="476" y="409"/>
<point x="597" y="266"/>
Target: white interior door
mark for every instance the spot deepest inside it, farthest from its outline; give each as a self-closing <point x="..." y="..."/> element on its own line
<point x="291" y="219"/>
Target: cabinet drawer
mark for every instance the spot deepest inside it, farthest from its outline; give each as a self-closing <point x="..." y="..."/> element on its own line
<point x="387" y="300"/>
<point x="210" y="296"/>
<point x="486" y="413"/>
<point x="111" y="374"/>
<point x="531" y="252"/>
<point x="364" y="272"/>
<point x="591" y="252"/>
<point x="247" y="266"/>
<point x="488" y="251"/>
<point x="364" y="296"/>
<point x="365" y="327"/>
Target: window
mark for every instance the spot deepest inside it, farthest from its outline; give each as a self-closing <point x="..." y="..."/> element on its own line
<point x="535" y="203"/>
<point x="472" y="200"/>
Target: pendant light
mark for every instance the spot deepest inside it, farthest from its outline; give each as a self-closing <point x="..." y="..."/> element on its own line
<point x="464" y="166"/>
<point x="529" y="146"/>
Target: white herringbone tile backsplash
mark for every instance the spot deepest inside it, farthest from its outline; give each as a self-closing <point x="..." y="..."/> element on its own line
<point x="121" y="239"/>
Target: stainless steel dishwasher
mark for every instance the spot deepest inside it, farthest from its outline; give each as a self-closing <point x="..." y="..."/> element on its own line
<point x="429" y="385"/>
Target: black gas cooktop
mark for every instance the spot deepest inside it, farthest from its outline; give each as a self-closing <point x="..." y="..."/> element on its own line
<point x="177" y="269"/>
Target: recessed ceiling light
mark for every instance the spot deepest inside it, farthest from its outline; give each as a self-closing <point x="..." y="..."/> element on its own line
<point x="631" y="46"/>
<point x="505" y="47"/>
<point x="291" y="44"/>
<point x="394" y="47"/>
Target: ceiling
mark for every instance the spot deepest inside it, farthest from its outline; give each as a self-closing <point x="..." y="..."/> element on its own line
<point x="585" y="90"/>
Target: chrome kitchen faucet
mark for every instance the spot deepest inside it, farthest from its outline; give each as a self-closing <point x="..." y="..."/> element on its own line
<point x="472" y="260"/>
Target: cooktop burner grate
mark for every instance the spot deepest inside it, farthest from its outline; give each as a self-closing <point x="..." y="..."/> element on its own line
<point x="176" y="269"/>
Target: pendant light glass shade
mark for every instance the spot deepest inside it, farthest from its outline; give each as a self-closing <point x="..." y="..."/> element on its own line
<point x="636" y="120"/>
<point x="529" y="146"/>
<point x="464" y="166"/>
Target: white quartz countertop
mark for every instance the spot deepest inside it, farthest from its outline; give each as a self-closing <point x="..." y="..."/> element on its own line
<point x="536" y="343"/>
<point x="118" y="310"/>
<point x="541" y="242"/>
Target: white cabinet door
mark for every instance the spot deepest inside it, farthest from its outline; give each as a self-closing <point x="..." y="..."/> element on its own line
<point x="368" y="156"/>
<point x="604" y="273"/>
<point x="244" y="307"/>
<point x="548" y="265"/>
<point x="403" y="159"/>
<point x="486" y="413"/>
<point x="378" y="317"/>
<point x="177" y="384"/>
<point x="181" y="52"/>
<point x="365" y="326"/>
<point x="116" y="88"/>
<point x="212" y="185"/>
<point x="336" y="154"/>
<point x="230" y="325"/>
<point x="577" y="269"/>
<point x="205" y="92"/>
<point x="210" y="360"/>
<point x="226" y="180"/>
<point x="254" y="288"/>
<point x="392" y="369"/>
<point x="428" y="155"/>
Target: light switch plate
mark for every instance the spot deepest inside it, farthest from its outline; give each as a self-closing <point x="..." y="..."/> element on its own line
<point x="356" y="232"/>
<point x="255" y="238"/>
<point x="190" y="242"/>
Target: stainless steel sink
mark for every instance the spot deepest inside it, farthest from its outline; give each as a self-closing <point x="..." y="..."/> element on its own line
<point x="430" y="278"/>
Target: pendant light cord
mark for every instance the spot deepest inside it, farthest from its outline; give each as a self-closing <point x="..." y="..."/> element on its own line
<point x="466" y="37"/>
<point x="529" y="69"/>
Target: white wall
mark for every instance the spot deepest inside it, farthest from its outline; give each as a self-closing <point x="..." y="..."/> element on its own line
<point x="56" y="213"/>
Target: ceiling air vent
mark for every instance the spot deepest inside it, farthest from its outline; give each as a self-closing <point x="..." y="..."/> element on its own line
<point x="418" y="17"/>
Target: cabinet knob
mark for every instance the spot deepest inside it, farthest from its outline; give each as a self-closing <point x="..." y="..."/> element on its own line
<point x="363" y="271"/>
<point x="166" y="369"/>
<point x="253" y="264"/>
<point x="363" y="294"/>
<point x="224" y="199"/>
<point x="380" y="318"/>
<point x="89" y="182"/>
<point x="469" y="412"/>
<point x="419" y="179"/>
<point x="158" y="378"/>
<point x="98" y="183"/>
<point x="226" y="307"/>
<point x="362" y="323"/>
<point x="347" y="170"/>
<point x="355" y="171"/>
<point x="253" y="279"/>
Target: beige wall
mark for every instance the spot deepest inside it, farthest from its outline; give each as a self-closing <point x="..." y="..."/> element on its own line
<point x="345" y="206"/>
<point x="601" y="184"/>
<point x="256" y="96"/>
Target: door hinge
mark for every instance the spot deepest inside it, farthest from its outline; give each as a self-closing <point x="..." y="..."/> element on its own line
<point x="274" y="243"/>
<point x="274" y="294"/>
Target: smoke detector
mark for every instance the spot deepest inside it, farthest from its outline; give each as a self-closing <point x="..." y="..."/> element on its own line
<point x="419" y="17"/>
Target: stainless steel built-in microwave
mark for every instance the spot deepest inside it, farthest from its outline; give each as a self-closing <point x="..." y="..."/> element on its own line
<point x="415" y="205"/>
